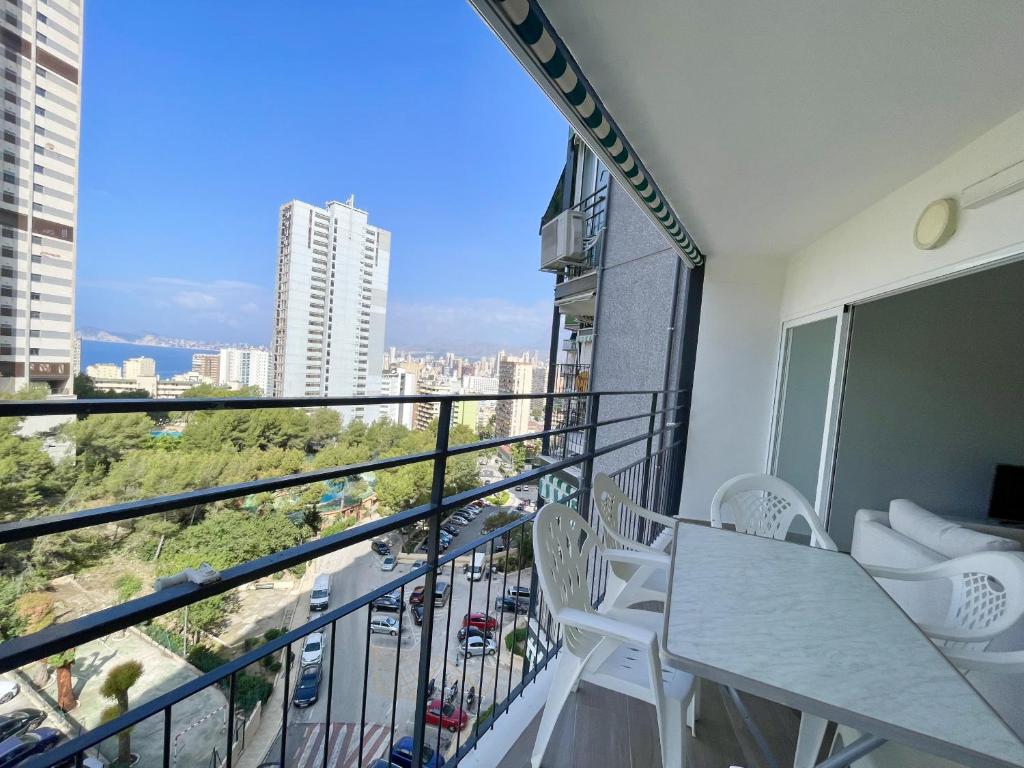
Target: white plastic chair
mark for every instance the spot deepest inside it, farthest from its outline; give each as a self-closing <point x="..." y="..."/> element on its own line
<point x="645" y="579"/>
<point x="618" y="650"/>
<point x="986" y="599"/>
<point x="765" y="505"/>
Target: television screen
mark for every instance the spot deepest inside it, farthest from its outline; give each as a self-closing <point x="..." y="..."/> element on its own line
<point x="1007" y="502"/>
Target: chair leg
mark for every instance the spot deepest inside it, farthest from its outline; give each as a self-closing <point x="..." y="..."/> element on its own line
<point x="566" y="680"/>
<point x="670" y="731"/>
<point x="693" y="709"/>
<point x="809" y="740"/>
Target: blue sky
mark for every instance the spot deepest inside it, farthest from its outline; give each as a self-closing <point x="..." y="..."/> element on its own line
<point x="199" y="119"/>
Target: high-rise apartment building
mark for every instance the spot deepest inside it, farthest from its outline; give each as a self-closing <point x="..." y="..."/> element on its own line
<point x="332" y="289"/>
<point x="135" y="367"/>
<point x="399" y="383"/>
<point x="512" y="417"/>
<point x="207" y="366"/>
<point x="242" y="367"/>
<point x="42" y="64"/>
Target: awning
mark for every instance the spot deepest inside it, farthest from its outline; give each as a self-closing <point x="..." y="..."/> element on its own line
<point x="528" y="34"/>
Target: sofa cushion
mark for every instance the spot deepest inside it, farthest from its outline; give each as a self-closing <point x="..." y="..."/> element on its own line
<point x="945" y="537"/>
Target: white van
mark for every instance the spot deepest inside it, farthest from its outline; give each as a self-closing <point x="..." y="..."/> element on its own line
<point x="476" y="569"/>
<point x="320" y="597"/>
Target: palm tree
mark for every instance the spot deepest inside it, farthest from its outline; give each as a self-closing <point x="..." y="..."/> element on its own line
<point x="115" y="686"/>
<point x="62" y="662"/>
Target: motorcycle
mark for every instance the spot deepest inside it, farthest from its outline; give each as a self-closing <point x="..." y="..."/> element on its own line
<point x="431" y="687"/>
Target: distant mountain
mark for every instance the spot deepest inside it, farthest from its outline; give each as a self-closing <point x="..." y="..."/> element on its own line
<point x="155" y="340"/>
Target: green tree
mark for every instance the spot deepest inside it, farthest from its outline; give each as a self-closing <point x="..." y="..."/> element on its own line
<point x="215" y="390"/>
<point x="116" y="685"/>
<point x="403" y="487"/>
<point x="26" y="473"/>
<point x="324" y="429"/>
<point x="263" y="428"/>
<point x="11" y="622"/>
<point x="499" y="499"/>
<point x="104" y="439"/>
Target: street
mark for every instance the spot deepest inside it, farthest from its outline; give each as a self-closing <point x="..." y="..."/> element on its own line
<point x="354" y="571"/>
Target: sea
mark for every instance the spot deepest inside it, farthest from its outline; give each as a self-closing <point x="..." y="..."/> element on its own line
<point x="169" y="360"/>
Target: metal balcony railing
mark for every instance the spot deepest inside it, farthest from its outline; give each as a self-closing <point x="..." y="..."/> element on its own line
<point x="644" y="480"/>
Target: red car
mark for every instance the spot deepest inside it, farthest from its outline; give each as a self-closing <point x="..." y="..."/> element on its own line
<point x="447" y="716"/>
<point x="480" y="621"/>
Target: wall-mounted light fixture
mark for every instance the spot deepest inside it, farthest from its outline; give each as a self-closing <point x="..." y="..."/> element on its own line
<point x="936" y="224"/>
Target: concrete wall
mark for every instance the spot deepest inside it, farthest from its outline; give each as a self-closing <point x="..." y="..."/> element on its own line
<point x="737" y="351"/>
<point x="632" y="322"/>
<point x="933" y="398"/>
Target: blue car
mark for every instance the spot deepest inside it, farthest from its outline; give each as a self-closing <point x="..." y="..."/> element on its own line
<point x="19" y="748"/>
<point x="401" y="755"/>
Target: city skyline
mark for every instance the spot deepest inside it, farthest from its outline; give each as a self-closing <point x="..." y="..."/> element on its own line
<point x="214" y="278"/>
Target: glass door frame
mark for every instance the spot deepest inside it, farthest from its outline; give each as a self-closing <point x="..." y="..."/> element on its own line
<point x="837" y="376"/>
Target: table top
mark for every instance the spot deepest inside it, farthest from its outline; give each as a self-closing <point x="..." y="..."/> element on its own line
<point x="810" y="629"/>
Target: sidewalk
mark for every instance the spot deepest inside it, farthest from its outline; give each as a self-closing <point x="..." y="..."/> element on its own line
<point x="270" y="724"/>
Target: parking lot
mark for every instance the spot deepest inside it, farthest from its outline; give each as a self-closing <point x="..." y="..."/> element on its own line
<point x="385" y="706"/>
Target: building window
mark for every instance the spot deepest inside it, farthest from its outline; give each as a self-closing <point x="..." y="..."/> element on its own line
<point x="37" y="207"/>
<point x="11" y="76"/>
<point x="33" y="351"/>
<point x="33" y="333"/>
<point x="6" y="290"/>
<point x="6" y="272"/>
<point x="34" y="314"/>
<point x="6" y="349"/>
<point x="10" y="137"/>
<point x="8" y="232"/>
<point x="9" y="157"/>
<point x="10" y="117"/>
<point x="7" y="251"/>
<point x="40" y="111"/>
<point x="8" y="197"/>
<point x="9" y="178"/>
<point x="40" y="91"/>
<point x="6" y="311"/>
<point x="37" y="278"/>
<point x="38" y="168"/>
<point x="39" y="149"/>
<point x="35" y="296"/>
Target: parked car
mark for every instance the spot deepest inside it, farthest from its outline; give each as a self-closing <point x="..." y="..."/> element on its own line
<point x="380" y="547"/>
<point x="519" y="591"/>
<point x="446" y="716"/>
<point x="474" y="632"/>
<point x="416" y="598"/>
<point x="480" y="621"/>
<point x="19" y="721"/>
<point x="459" y="520"/>
<point x="384" y="625"/>
<point x="8" y="690"/>
<point x="444" y="537"/>
<point x="19" y="748"/>
<point x="388" y="563"/>
<point x="389" y="602"/>
<point x="450" y="529"/>
<point x="417" y="613"/>
<point x="320" y="597"/>
<point x="441" y="591"/>
<point x="307" y="689"/>
<point x="471" y="511"/>
<point x="401" y="755"/>
<point x="478" y="646"/>
<point x="508" y="604"/>
<point x="520" y="487"/>
<point x="313" y="648"/>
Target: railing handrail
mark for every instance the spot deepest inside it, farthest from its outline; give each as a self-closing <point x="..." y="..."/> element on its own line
<point x="86" y="407"/>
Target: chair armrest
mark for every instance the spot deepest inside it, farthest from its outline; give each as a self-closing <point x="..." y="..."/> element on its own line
<point x="969" y="660"/>
<point x="603" y="625"/>
<point x="646" y="557"/>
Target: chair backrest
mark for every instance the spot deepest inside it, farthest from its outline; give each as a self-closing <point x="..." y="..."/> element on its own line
<point x="986" y="596"/>
<point x="562" y="543"/>
<point x="611" y="503"/>
<point x="765" y="505"/>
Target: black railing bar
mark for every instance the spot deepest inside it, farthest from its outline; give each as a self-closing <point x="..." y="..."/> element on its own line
<point x="58" y="637"/>
<point x="151" y="405"/>
<point x="153" y="706"/>
<point x="84" y="518"/>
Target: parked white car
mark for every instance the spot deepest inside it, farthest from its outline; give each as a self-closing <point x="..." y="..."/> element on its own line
<point x="478" y="646"/>
<point x="313" y="649"/>
<point x="8" y="690"/>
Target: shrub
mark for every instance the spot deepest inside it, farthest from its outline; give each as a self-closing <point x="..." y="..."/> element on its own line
<point x="338" y="526"/>
<point x="271" y="664"/>
<point x="205" y="659"/>
<point x="516" y="641"/>
<point x="35" y="609"/>
<point x="482" y="718"/>
<point x="272" y="634"/>
<point x="250" y="689"/>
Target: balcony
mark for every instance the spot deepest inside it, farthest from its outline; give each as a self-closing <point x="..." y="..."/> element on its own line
<point x="375" y="687"/>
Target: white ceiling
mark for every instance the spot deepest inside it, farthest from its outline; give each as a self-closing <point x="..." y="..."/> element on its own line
<point x="767" y="124"/>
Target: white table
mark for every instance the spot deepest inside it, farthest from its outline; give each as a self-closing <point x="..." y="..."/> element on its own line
<point x="810" y="629"/>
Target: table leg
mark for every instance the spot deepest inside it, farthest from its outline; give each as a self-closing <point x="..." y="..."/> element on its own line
<point x="755" y="732"/>
<point x="862" y="746"/>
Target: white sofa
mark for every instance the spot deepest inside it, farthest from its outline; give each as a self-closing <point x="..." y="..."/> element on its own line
<point x="908" y="536"/>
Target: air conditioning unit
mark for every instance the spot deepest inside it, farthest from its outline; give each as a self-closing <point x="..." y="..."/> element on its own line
<point x="561" y="241"/>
